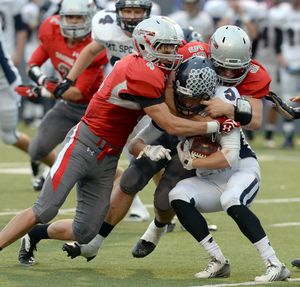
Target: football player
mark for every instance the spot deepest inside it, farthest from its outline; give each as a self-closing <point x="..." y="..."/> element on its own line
<point x="9" y="101"/>
<point x="112" y="30"/>
<point x="234" y="67"/>
<point x="91" y="150"/>
<point x="227" y="179"/>
<point x="62" y="37"/>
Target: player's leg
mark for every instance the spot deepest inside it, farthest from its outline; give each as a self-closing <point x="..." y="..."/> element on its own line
<point x="51" y="132"/>
<point x="134" y="179"/>
<point x="189" y="199"/>
<point x="164" y="213"/>
<point x="240" y="191"/>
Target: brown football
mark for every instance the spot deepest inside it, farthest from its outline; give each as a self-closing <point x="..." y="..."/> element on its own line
<point x="203" y="146"/>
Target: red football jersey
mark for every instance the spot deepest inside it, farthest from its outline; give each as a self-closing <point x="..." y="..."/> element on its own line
<point x="53" y="45"/>
<point x="257" y="82"/>
<point x="112" y="117"/>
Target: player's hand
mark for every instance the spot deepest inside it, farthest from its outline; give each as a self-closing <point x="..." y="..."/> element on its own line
<point x="62" y="87"/>
<point x="184" y="154"/>
<point x="33" y="92"/>
<point x="50" y="84"/>
<point x="155" y="152"/>
<point x="281" y="107"/>
<point x="216" y="107"/>
<point x="29" y="91"/>
<point x="227" y="125"/>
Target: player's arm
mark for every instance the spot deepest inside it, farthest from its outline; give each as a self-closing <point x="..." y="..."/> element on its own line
<point x="86" y="57"/>
<point x="224" y="158"/>
<point x="174" y="125"/>
<point x="21" y="38"/>
<point x="248" y="111"/>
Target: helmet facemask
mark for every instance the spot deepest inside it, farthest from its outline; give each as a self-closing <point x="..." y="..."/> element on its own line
<point x="230" y="52"/>
<point x="83" y="8"/>
<point x="128" y="24"/>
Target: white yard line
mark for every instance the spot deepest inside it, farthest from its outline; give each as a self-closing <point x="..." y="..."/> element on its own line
<point x="250" y="283"/>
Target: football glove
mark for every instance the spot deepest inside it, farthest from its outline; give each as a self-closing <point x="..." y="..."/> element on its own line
<point x="61" y="87"/>
<point x="227" y="125"/>
<point x="29" y="91"/>
<point x="155" y="152"/>
<point x="283" y="108"/>
<point x="184" y="154"/>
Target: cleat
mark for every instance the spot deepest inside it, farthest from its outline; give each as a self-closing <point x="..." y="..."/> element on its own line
<point x="274" y="273"/>
<point x="73" y="249"/>
<point x="212" y="227"/>
<point x="136" y="218"/>
<point x="215" y="269"/>
<point x="296" y="263"/>
<point x="37" y="183"/>
<point x="142" y="248"/>
<point x="26" y="256"/>
<point x="170" y="227"/>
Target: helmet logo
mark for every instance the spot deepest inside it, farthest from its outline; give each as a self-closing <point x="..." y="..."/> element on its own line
<point x="215" y="43"/>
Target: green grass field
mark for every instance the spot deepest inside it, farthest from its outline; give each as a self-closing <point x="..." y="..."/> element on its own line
<point x="178" y="256"/>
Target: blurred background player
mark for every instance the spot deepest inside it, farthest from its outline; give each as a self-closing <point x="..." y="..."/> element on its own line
<point x="193" y="15"/>
<point x="289" y="59"/>
<point x="62" y="37"/>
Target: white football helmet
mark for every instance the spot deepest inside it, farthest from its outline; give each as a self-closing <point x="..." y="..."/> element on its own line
<point x="85" y="8"/>
<point x="130" y="24"/>
<point x="151" y="34"/>
<point x="230" y="48"/>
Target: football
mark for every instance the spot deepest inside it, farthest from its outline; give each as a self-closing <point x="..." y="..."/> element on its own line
<point x="203" y="146"/>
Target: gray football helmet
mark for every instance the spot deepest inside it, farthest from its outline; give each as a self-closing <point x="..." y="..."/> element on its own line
<point x="130" y="24"/>
<point x="150" y="34"/>
<point x="230" y="48"/>
<point x="85" y="8"/>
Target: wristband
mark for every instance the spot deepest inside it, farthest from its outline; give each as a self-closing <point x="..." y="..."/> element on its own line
<point x="212" y="127"/>
<point x="243" y="111"/>
<point x="36" y="75"/>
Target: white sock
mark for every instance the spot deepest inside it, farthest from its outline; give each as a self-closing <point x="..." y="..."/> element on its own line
<point x="91" y="249"/>
<point x="153" y="233"/>
<point x="266" y="251"/>
<point x="212" y="248"/>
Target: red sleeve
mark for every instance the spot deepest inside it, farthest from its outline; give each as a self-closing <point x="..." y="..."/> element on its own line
<point x="145" y="79"/>
<point x="38" y="57"/>
<point x="257" y="82"/>
<point x="46" y="31"/>
<point x="194" y="49"/>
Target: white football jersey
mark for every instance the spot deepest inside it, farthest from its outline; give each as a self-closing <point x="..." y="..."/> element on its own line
<point x="106" y="31"/>
<point x="9" y="75"/>
<point x="8" y="10"/>
<point x="291" y="37"/>
<point x="271" y="19"/>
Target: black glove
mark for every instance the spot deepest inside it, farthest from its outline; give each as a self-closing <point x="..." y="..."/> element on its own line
<point x="283" y="108"/>
<point x="64" y="85"/>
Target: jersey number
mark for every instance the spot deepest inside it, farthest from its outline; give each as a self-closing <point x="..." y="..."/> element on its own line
<point x="106" y="20"/>
<point x="230" y="95"/>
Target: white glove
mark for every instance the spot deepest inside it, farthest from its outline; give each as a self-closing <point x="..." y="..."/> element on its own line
<point x="185" y="155"/>
<point x="155" y="152"/>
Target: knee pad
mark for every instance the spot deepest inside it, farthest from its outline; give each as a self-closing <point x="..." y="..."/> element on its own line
<point x="138" y="174"/>
<point x="227" y="200"/>
<point x="44" y="214"/>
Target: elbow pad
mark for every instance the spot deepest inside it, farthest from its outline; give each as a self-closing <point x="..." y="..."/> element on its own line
<point x="35" y="74"/>
<point x="243" y="111"/>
